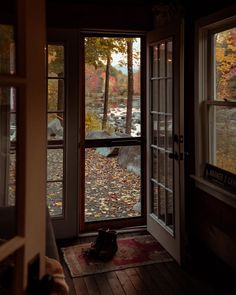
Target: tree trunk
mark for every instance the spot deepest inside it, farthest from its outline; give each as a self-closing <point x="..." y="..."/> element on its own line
<point x="106" y="93"/>
<point x="130" y="86"/>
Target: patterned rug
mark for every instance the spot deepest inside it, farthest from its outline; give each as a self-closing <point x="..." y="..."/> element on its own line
<point x="132" y="252"/>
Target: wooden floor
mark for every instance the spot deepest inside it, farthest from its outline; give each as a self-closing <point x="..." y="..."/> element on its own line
<point x="207" y="277"/>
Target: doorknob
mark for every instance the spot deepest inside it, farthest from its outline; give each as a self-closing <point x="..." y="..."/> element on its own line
<point x="174" y="156"/>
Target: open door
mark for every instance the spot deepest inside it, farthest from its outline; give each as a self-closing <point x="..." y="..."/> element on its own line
<point x="22" y="145"/>
<point x="165" y="144"/>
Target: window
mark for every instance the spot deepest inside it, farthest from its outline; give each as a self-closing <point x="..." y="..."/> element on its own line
<point x="221" y="106"/>
<point x="216" y="96"/>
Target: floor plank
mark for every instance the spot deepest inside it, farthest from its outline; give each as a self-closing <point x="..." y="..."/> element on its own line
<point x="92" y="286"/>
<point x="80" y="286"/>
<point x="137" y="281"/>
<point x="126" y="283"/>
<point x="103" y="284"/>
<point x="115" y="283"/>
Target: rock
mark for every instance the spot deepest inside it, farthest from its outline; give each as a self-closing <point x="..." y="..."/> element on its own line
<point x="98" y="134"/>
<point x="137" y="207"/>
<point x="129" y="157"/>
<point x="104" y="151"/>
<point x="55" y="128"/>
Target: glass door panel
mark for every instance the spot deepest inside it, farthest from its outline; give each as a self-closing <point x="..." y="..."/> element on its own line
<point x="112" y="184"/>
<point x="162" y="132"/>
<point x="113" y="131"/>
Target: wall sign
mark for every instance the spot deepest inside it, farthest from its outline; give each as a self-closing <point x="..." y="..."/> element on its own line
<point x="221" y="177"/>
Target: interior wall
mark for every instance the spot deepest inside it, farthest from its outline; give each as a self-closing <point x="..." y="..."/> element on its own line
<point x="100" y="16"/>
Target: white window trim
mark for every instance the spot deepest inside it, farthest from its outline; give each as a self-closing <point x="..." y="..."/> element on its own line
<point x="202" y="91"/>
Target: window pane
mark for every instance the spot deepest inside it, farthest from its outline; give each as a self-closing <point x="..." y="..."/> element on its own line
<point x="224" y="151"/>
<point x="112" y="87"/>
<point x="55" y="126"/>
<point x="112" y="183"/>
<point x="55" y="60"/>
<point x="225" y="60"/>
<point x="55" y="198"/>
<point x="7" y="49"/>
<point x="55" y="164"/>
<point x="55" y="95"/>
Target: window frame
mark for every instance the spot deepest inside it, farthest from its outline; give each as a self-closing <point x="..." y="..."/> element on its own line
<point x="204" y="97"/>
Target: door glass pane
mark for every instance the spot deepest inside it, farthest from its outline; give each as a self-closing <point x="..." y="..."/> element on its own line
<point x="162" y="204"/>
<point x="8" y="161"/>
<point x="155" y="198"/>
<point x="55" y="60"/>
<point x="169" y="96"/>
<point x="169" y="132"/>
<point x="55" y="126"/>
<point x="112" y="183"/>
<point x="112" y="87"/>
<point x="155" y="62"/>
<point x="7" y="49"/>
<point x="55" y="95"/>
<point x="154" y="139"/>
<point x="169" y="172"/>
<point x="161" y="163"/>
<point x="161" y="131"/>
<point x="170" y="210"/>
<point x="55" y="164"/>
<point x="55" y="198"/>
<point x="169" y="59"/>
<point x="162" y="60"/>
<point x="155" y="164"/>
<point x="162" y="98"/>
<point x="155" y="95"/>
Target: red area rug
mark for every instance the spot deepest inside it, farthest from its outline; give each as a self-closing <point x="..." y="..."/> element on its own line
<point x="132" y="252"/>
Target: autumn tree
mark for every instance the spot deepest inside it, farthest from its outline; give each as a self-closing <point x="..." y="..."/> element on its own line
<point x="98" y="52"/>
<point x="225" y="46"/>
<point x="130" y="86"/>
<point x="56" y="69"/>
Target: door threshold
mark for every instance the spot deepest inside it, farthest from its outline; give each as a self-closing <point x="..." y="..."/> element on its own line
<point x="119" y="231"/>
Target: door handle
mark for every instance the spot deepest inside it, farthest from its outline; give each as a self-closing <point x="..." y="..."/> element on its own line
<point x="176" y="156"/>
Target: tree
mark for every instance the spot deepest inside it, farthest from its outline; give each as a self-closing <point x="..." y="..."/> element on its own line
<point x="98" y="52"/>
<point x="130" y="86"/>
<point x="225" y="63"/>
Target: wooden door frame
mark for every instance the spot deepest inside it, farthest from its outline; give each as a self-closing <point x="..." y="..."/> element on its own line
<point x="124" y="222"/>
<point x="29" y="242"/>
